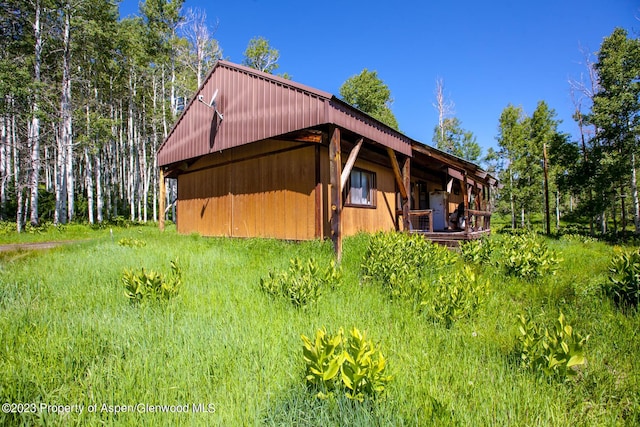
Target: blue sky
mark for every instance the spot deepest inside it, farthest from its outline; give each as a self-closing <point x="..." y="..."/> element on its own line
<point x="489" y="53"/>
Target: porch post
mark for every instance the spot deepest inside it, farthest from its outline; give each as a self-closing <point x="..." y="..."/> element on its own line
<point x="406" y="203"/>
<point x="161" y="201"/>
<point x="465" y="192"/>
<point x="335" y="171"/>
<point x="403" y="179"/>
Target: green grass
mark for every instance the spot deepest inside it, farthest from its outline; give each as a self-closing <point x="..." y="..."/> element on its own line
<point x="68" y="335"/>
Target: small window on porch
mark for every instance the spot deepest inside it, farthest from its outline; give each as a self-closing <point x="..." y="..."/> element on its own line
<point x="361" y="189"/>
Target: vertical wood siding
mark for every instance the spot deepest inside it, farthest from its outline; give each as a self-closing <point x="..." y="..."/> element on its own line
<point x="267" y="196"/>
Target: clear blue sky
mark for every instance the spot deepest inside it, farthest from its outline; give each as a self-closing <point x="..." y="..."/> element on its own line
<point x="489" y="53"/>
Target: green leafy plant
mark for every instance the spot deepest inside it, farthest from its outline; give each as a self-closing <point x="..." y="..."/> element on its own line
<point x="457" y="295"/>
<point x="353" y="365"/>
<point x="555" y="352"/>
<point x="528" y="257"/>
<point x="132" y="243"/>
<point x="303" y="283"/>
<point x="476" y="251"/>
<point x="399" y="262"/>
<point x="363" y="370"/>
<point x="624" y="278"/>
<point x="149" y="286"/>
<point x="323" y="358"/>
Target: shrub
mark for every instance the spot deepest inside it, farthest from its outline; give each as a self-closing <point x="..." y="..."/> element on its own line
<point x="554" y="352"/>
<point x="457" y="295"/>
<point x="528" y="257"/>
<point x="399" y="261"/>
<point x="132" y="243"/>
<point x="624" y="278"/>
<point x="353" y="365"/>
<point x="476" y="251"/>
<point x="303" y="283"/>
<point x="142" y="286"/>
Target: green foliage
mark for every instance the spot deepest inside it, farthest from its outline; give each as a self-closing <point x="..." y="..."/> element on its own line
<point x="142" y="287"/>
<point x="624" y="278"/>
<point x="371" y="95"/>
<point x="476" y="251"/>
<point x="131" y="242"/>
<point x="458" y="294"/>
<point x="353" y="365"/>
<point x="556" y="352"/>
<point x="399" y="262"/>
<point x="261" y="56"/>
<point x="303" y="283"/>
<point x="527" y="256"/>
<point x="453" y="139"/>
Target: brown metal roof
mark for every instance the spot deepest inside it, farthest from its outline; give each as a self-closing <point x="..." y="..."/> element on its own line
<point x="257" y="106"/>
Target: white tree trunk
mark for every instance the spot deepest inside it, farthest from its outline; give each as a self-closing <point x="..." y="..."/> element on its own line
<point x="89" y="184"/>
<point x="557" y="210"/>
<point x="65" y="146"/>
<point x="131" y="133"/>
<point x="3" y="167"/>
<point x="19" y="210"/>
<point x="634" y="194"/>
<point x="99" y="196"/>
<point x="34" y="128"/>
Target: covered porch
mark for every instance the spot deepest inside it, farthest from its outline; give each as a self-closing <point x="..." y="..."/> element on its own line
<point x="449" y="199"/>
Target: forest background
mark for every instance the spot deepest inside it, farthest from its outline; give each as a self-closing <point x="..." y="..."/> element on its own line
<point x="88" y="97"/>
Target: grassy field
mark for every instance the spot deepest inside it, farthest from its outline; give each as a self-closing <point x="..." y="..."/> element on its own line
<point x="231" y="355"/>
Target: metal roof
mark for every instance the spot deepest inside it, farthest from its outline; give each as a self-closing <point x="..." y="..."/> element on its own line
<point x="257" y="106"/>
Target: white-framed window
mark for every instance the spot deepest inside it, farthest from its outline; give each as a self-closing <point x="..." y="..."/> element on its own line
<point x="361" y="189"/>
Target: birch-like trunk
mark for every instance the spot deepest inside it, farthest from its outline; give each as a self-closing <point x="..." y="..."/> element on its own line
<point x="99" y="196"/>
<point x="19" y="210"/>
<point x="131" y="135"/>
<point x="557" y="210"/>
<point x="3" y="167"/>
<point x="89" y="183"/>
<point x="65" y="145"/>
<point x="634" y="194"/>
<point x="34" y="128"/>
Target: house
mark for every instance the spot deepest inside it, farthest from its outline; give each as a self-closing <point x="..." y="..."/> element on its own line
<point x="256" y="155"/>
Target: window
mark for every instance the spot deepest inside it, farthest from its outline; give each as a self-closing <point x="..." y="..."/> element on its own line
<point x="361" y="189"/>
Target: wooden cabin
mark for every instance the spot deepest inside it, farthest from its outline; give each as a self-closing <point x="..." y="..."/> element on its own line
<point x="256" y="155"/>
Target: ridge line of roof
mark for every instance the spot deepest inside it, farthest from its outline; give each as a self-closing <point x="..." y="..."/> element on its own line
<point x="317" y="92"/>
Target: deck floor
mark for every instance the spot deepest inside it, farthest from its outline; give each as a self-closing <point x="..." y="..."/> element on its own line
<point x="452" y="238"/>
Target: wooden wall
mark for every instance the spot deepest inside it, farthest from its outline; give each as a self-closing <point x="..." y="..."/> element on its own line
<point x="264" y="189"/>
<point x="357" y="219"/>
<point x="268" y="189"/>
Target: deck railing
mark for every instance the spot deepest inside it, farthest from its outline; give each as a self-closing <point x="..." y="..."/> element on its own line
<point x="421" y="221"/>
<point x="478" y="220"/>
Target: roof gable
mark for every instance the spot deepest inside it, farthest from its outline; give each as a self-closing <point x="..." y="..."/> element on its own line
<point x="257" y="106"/>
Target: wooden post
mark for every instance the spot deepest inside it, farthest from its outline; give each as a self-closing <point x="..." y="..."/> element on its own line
<point x="162" y="198"/>
<point x="319" y="210"/>
<point x="351" y="160"/>
<point x="466" y="203"/>
<point x="397" y="174"/>
<point x="406" y="203"/>
<point x="335" y="171"/>
<point x="403" y="180"/>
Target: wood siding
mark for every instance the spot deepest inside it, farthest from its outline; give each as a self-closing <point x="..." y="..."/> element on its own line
<point x="357" y="219"/>
<point x="259" y="190"/>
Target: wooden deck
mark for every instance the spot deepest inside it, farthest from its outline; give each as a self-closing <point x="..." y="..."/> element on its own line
<point x="421" y="222"/>
<point x="452" y="238"/>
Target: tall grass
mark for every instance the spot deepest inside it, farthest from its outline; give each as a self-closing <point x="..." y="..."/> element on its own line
<point x="68" y="335"/>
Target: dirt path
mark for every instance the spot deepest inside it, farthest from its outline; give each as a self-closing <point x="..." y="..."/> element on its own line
<point x="34" y="246"/>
